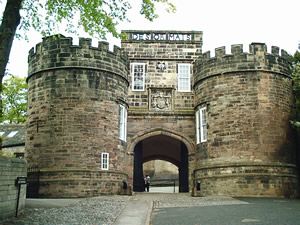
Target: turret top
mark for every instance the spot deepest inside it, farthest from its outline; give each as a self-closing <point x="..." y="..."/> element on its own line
<point x="258" y="59"/>
<point x="58" y="52"/>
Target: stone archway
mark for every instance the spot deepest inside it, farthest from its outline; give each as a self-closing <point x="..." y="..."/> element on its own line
<point x="164" y="145"/>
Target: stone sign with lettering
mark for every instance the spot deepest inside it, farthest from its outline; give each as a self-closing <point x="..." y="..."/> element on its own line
<point x="163" y="36"/>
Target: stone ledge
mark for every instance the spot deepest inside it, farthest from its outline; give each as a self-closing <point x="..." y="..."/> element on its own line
<point x="146" y="112"/>
<point x="239" y="164"/>
<point x="117" y="73"/>
<point x="49" y="170"/>
<point x="219" y="73"/>
<point x="75" y="179"/>
<point x="246" y="175"/>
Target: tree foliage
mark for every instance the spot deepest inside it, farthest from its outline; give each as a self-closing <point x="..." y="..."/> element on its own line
<point x="95" y="17"/>
<point x="14" y="97"/>
<point x="296" y="89"/>
<point x="7" y="154"/>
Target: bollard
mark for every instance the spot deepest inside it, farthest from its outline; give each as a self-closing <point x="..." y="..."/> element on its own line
<point x="124" y="185"/>
<point x="198" y="187"/>
<point x="174" y="185"/>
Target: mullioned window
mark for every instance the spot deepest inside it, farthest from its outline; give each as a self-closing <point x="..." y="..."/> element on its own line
<point x="123" y="123"/>
<point x="201" y="125"/>
<point x="138" y="76"/>
<point x="105" y="161"/>
<point x="184" y="77"/>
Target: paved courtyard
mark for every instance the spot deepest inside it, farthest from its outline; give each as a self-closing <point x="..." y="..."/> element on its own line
<point x="223" y="211"/>
<point x="157" y="208"/>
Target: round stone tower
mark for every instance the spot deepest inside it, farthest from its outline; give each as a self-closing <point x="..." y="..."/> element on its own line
<point x="249" y="148"/>
<point x="75" y="97"/>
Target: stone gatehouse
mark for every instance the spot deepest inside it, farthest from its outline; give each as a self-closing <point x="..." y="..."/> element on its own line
<point x="95" y="116"/>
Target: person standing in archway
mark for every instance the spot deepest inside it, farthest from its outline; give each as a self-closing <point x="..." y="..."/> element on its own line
<point x="147" y="182"/>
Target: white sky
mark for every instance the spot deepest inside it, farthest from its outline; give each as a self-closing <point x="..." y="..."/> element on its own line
<point x="223" y="22"/>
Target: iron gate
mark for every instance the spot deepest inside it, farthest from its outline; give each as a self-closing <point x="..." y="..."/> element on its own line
<point x="33" y="182"/>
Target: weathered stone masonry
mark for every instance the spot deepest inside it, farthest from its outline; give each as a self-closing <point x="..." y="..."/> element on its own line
<point x="74" y="93"/>
<point x="10" y="169"/>
<point x="250" y="149"/>
<point x="73" y="115"/>
<point x="162" y="53"/>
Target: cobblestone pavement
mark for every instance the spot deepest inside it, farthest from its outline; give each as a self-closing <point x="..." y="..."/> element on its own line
<point x="166" y="200"/>
<point x="138" y="211"/>
<point x="106" y="209"/>
<point x="97" y="210"/>
<point x="167" y="208"/>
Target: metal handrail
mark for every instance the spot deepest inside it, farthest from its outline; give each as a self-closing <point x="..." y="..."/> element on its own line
<point x="165" y="182"/>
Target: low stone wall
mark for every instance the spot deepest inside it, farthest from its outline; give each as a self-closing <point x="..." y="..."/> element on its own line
<point x="13" y="150"/>
<point x="10" y="169"/>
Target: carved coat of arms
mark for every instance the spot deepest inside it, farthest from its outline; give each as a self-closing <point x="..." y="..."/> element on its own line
<point x="161" y="100"/>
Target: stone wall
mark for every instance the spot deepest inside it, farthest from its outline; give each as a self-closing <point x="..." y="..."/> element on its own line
<point x="160" y="169"/>
<point x="14" y="150"/>
<point x="76" y="182"/>
<point x="161" y="58"/>
<point x="73" y="115"/>
<point x="162" y="51"/>
<point x="10" y="169"/>
<point x="251" y="179"/>
<point x="74" y="98"/>
<point x="250" y="146"/>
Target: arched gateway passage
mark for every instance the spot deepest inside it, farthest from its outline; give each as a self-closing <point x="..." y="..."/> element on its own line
<point x="165" y="148"/>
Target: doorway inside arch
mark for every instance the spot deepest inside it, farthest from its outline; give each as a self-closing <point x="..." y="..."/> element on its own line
<point x="164" y="175"/>
<point x="160" y="147"/>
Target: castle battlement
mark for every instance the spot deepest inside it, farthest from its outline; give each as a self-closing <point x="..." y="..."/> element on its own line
<point x="91" y="125"/>
<point x="256" y="59"/>
<point x="59" y="52"/>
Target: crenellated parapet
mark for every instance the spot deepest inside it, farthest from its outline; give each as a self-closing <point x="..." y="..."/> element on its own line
<point x="258" y="59"/>
<point x="58" y="52"/>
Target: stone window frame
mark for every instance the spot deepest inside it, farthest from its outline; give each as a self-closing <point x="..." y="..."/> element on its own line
<point x="143" y="67"/>
<point x="105" y="161"/>
<point x="201" y="125"/>
<point x="123" y="123"/>
<point x="182" y="76"/>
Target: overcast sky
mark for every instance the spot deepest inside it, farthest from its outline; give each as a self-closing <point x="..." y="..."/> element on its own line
<point x="223" y="22"/>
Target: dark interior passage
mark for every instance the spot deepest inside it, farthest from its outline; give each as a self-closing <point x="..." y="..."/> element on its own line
<point x="164" y="148"/>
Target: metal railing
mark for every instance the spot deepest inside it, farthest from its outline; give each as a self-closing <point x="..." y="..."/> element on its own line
<point x="164" y="183"/>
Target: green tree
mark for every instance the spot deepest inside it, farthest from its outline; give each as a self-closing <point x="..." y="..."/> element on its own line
<point x="1" y="140"/>
<point x="14" y="96"/>
<point x="296" y="89"/>
<point x="95" y="17"/>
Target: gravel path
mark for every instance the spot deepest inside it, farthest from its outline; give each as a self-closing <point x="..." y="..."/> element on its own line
<point x="97" y="210"/>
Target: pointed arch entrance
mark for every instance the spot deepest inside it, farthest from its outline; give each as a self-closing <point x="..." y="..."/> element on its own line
<point x="161" y="145"/>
